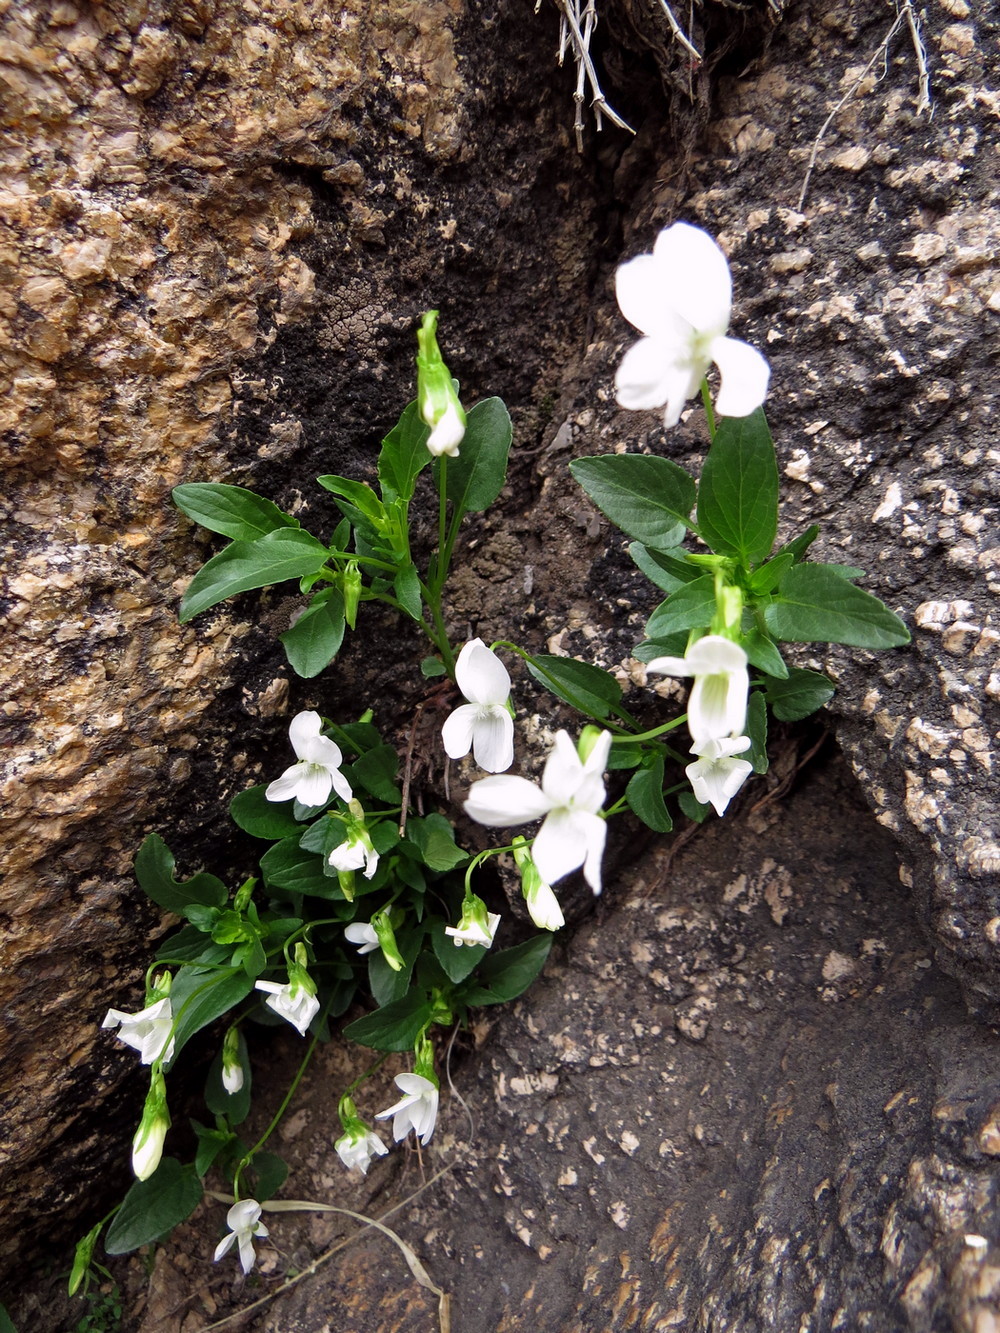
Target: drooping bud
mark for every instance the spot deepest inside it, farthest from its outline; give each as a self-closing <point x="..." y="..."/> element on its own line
<point x="477" y="925"/>
<point x="382" y="927"/>
<point x="147" y="1145"/>
<point x="437" y="400"/>
<point x="541" y="902"/>
<point x="232" y="1065"/>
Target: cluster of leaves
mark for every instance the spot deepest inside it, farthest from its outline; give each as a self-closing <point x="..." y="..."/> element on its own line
<point x="368" y="557"/>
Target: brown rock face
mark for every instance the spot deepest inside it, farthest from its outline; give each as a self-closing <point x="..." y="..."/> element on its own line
<point x="184" y="186"/>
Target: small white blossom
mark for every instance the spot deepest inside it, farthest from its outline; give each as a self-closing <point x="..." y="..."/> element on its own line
<point x="293" y="1002"/>
<point x="717" y="707"/>
<point x="681" y="298"/>
<point x="147" y="1144"/>
<point x="358" y="1145"/>
<point x="716" y="776"/>
<point x="363" y="935"/>
<point x="417" y="1110"/>
<point x="317" y="772"/>
<point x="448" y="433"/>
<point x="232" y="1078"/>
<point x="243" y="1221"/>
<point x="354" y="852"/>
<point x="477" y="926"/>
<point x="543" y="906"/>
<point x="483" y="725"/>
<point x="571" y="794"/>
<point x="147" y="1032"/>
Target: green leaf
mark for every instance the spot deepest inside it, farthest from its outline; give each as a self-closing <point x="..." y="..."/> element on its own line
<point x="154" y="869"/>
<point x="581" y="684"/>
<point x="669" y="570"/>
<point x="243" y="565"/>
<point x="766" y="578"/>
<point x="431" y="667"/>
<point x="458" y="960"/>
<point x="649" y="498"/>
<point x="153" y="1207"/>
<point x="645" y="795"/>
<point x="199" y="996"/>
<point x="505" y="975"/>
<point x="798" y="696"/>
<point x="314" y="640"/>
<point x="738" y="491"/>
<point x="690" y="607"/>
<point x="435" y="838"/>
<point x="231" y="510"/>
<point x="211" y="1143"/>
<point x="376" y="772"/>
<point x="476" y="477"/>
<point x="190" y="946"/>
<point x="801" y="543"/>
<point x="251" y="811"/>
<point x="394" y="1027"/>
<point x="385" y="984"/>
<point x="359" y="495"/>
<point x="757" y="731"/>
<point x="288" y="866"/>
<point x="407" y="588"/>
<point x="692" y="807"/>
<point x="270" y="1172"/>
<point x="234" y="1106"/>
<point x="6" y="1324"/>
<point x="670" y="645"/>
<point x="814" y="604"/>
<point x="763" y="654"/>
<point x="404" y="455"/>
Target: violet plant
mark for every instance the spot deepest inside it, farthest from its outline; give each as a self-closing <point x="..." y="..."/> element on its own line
<point x="359" y="894"/>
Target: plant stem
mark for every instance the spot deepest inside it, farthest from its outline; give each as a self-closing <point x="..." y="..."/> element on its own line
<point x="706" y="398"/>
<point x="300" y="1073"/>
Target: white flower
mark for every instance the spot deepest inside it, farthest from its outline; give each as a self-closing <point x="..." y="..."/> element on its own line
<point x="448" y="433"/>
<point x="680" y="296"/>
<point x="147" y="1144"/>
<point x="358" y="1146"/>
<point x="477" y="925"/>
<point x="354" y="852"/>
<point x="717" y="707"/>
<point x="571" y="794"/>
<point x="417" y="1110"/>
<point x="543" y="906"/>
<point x="318" y="769"/>
<point x="292" y="1001"/>
<point x="147" y="1032"/>
<point x="243" y="1221"/>
<point x="362" y="934"/>
<point x="232" y="1078"/>
<point x="716" y="776"/>
<point x="482" y="725"/>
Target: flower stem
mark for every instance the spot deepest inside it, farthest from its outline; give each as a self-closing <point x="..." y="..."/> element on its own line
<point x="706" y="398"/>
<point x="299" y="1075"/>
<point x="649" y="735"/>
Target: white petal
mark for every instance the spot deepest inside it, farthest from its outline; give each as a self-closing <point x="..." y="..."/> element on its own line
<point x="349" y="855"/>
<point x="314" y="784"/>
<point x="669" y="666"/>
<point x="285" y="787"/>
<point x="322" y="750"/>
<point x="596" y="835"/>
<point x="501" y="801"/>
<point x="654" y="372"/>
<point x="224" y="1246"/>
<point x="562" y="775"/>
<point x="304" y="727"/>
<point x="694" y="273"/>
<point x="457" y="732"/>
<point x="712" y="654"/>
<point x="561" y="845"/>
<point x="597" y="760"/>
<point x="640" y="299"/>
<point x="544" y="909"/>
<point x="744" y="373"/>
<point x="414" y="1084"/>
<point x="493" y="739"/>
<point x="340" y="784"/>
<point x="247" y="1256"/>
<point x="447" y="435"/>
<point x="722" y="749"/>
<point x="716" y="782"/>
<point x="480" y="674"/>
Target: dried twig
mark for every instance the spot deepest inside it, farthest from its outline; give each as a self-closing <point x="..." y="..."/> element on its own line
<point x="679" y="34"/>
<point x="576" y="30"/>
<point x="904" y="14"/>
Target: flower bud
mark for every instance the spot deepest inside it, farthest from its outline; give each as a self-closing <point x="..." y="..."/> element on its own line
<point x="589" y="737"/>
<point x="147" y="1146"/>
<point x="352" y="591"/>
<point x="438" y="402"/>
<point x="232" y="1066"/>
<point x="477" y="925"/>
<point x="382" y="927"/>
<point x="542" y="904"/>
<point x="243" y="895"/>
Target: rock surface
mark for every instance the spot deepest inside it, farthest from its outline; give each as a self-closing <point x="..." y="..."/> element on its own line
<point x="808" y="1139"/>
